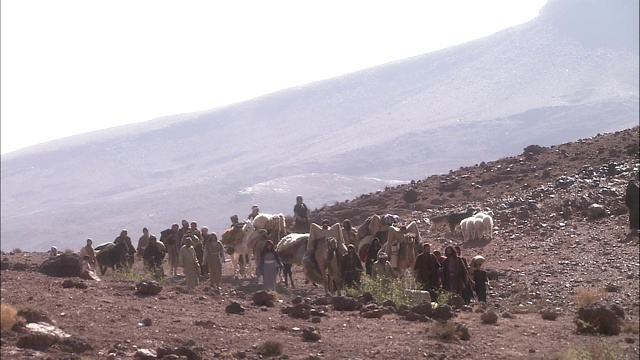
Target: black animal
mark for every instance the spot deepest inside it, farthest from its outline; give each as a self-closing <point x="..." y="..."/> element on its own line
<point x="455" y="218"/>
<point x="112" y="257"/>
<point x="288" y="275"/>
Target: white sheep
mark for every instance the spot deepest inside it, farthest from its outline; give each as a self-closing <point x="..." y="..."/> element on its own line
<point x="478" y="228"/>
<point x="466" y="226"/>
<point x="487" y="224"/>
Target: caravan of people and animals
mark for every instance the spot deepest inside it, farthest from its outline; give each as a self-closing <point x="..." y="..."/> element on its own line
<point x="336" y="256"/>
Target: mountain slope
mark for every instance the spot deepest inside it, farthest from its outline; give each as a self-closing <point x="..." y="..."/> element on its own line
<point x="542" y="83"/>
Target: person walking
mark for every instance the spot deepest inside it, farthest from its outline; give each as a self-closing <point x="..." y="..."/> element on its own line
<point x="480" y="278"/>
<point x="351" y="268"/>
<point x="426" y="270"/>
<point x="153" y="257"/>
<point x="131" y="251"/>
<point x="631" y="200"/>
<point x="270" y="263"/>
<point x="454" y="273"/>
<point x="212" y="250"/>
<point x="143" y="241"/>
<point x="372" y="255"/>
<point x="170" y="239"/>
<point x="189" y="262"/>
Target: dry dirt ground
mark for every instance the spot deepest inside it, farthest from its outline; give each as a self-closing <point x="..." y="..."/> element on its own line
<point x="545" y="249"/>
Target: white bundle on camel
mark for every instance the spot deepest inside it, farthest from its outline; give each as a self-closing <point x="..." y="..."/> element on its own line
<point x="377" y="225"/>
<point x="401" y="246"/>
<point x="274" y="223"/>
<point x="292" y="248"/>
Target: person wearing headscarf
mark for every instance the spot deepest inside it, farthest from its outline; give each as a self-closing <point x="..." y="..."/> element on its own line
<point x="454" y="273"/>
<point x="87" y="250"/>
<point x="426" y="269"/>
<point x="301" y="215"/>
<point x="351" y="267"/>
<point x="382" y="267"/>
<point x="480" y="278"/>
<point x="154" y="255"/>
<point x="349" y="234"/>
<point x="212" y="250"/>
<point x="270" y="264"/>
<point x="53" y="252"/>
<point x="372" y="255"/>
<point x="131" y="251"/>
<point x="189" y="262"/>
<point x="255" y="210"/>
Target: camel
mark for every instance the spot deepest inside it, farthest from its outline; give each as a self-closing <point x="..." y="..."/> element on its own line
<point x="323" y="264"/>
<point x="238" y="239"/>
<point x="325" y="248"/>
<point x="403" y="244"/>
<point x="291" y="250"/>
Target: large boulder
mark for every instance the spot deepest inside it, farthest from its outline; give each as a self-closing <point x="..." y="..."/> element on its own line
<point x="234" y="308"/>
<point x="40" y="335"/>
<point x="64" y="265"/>
<point x="598" y="318"/>
<point x="442" y="312"/>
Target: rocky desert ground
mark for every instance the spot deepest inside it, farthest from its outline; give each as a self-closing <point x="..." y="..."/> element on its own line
<point x="560" y="242"/>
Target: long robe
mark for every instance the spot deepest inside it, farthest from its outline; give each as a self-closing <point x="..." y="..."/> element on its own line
<point x="188" y="261"/>
<point x="454" y="275"/>
<point x="351" y="269"/>
<point x="269" y="270"/>
<point x="426" y="268"/>
<point x="212" y="252"/>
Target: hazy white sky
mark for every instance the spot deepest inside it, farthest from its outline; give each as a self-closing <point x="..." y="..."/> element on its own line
<point x="70" y="67"/>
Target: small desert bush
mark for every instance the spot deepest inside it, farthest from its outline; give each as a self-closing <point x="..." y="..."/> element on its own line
<point x="8" y="316"/>
<point x="271" y="348"/>
<point x="69" y="251"/>
<point x="585" y="297"/>
<point x="630" y="327"/>
<point x="594" y="351"/>
<point x="17" y="251"/>
<point x="384" y="288"/>
<point x="443" y="330"/>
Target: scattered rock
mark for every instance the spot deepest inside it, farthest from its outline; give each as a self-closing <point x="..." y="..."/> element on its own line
<point x="315" y="319"/>
<point x="442" y="312"/>
<point x="323" y="300"/>
<point x="410" y="196"/>
<point x="549" y="314"/>
<point x="373" y="314"/>
<point x="146" y="322"/>
<point x="462" y="331"/>
<point x="310" y="334"/>
<point x="596" y="211"/>
<point x="343" y="303"/>
<point x="424" y="308"/>
<point x="191" y="354"/>
<point x="148" y="287"/>
<point x="598" y="318"/>
<point x="145" y="354"/>
<point x="366" y="297"/>
<point x="507" y="315"/>
<point x="69" y="283"/>
<point x="390" y="303"/>
<point x="35" y="316"/>
<point x="40" y="334"/>
<point x="75" y="345"/>
<point x="264" y="298"/>
<point x="489" y="317"/>
<point x="234" y="308"/>
<point x="298" y="311"/>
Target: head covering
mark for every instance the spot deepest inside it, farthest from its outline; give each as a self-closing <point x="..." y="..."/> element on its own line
<point x="383" y="255"/>
<point x="254" y="207"/>
<point x="478" y="259"/>
<point x="269" y="242"/>
<point x="351" y="246"/>
<point x="152" y="238"/>
<point x="325" y="221"/>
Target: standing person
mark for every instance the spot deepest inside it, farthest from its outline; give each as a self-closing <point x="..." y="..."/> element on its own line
<point x="480" y="278"/>
<point x="198" y="245"/>
<point x="631" y="200"/>
<point x="440" y="259"/>
<point x="382" y="267"/>
<point x="301" y="215"/>
<point x="170" y="239"/>
<point x="351" y="268"/>
<point x="189" y="262"/>
<point x="467" y="293"/>
<point x="454" y="273"/>
<point x="349" y="234"/>
<point x="131" y="251"/>
<point x="87" y="250"/>
<point x="153" y="256"/>
<point x="269" y="265"/>
<point x="212" y="250"/>
<point x="426" y="270"/>
<point x="372" y="255"/>
<point x="143" y="241"/>
<point x="255" y="210"/>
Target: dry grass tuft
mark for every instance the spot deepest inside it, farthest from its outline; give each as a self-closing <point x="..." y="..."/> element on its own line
<point x="271" y="348"/>
<point x="585" y="297"/>
<point x="8" y="316"/>
<point x="443" y="330"/>
<point x="594" y="351"/>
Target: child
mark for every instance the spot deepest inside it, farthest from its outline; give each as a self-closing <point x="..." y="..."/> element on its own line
<point x="479" y="278"/>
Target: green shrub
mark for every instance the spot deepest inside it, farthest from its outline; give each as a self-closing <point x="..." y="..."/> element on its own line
<point x="384" y="288"/>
